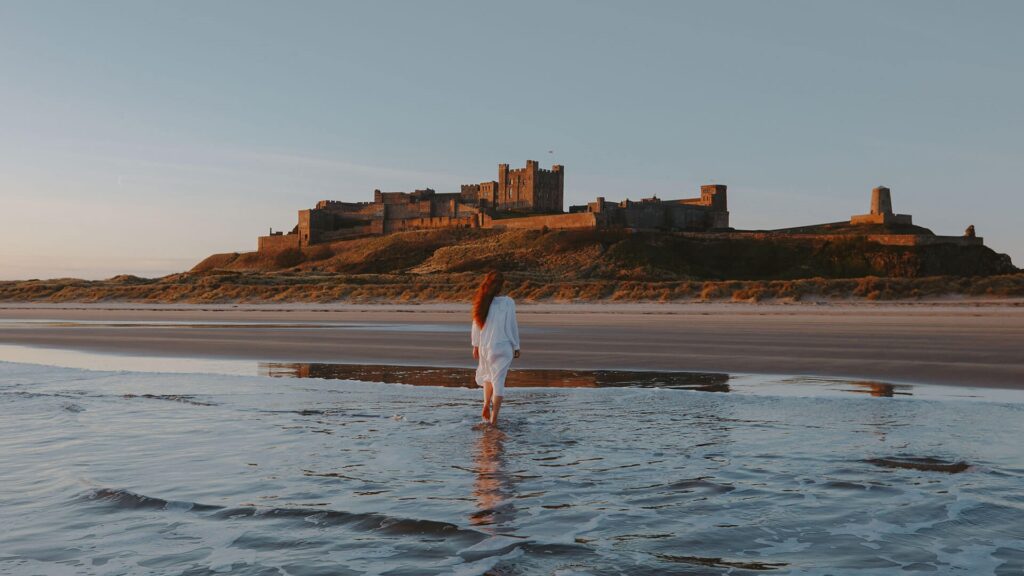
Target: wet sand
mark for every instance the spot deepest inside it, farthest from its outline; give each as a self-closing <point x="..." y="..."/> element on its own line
<point x="964" y="343"/>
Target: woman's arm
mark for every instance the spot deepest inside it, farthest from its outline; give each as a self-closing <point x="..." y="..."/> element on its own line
<point x="513" y="329"/>
<point x="475" y="340"/>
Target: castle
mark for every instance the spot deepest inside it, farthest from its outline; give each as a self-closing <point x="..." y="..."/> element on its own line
<point x="532" y="198"/>
<point x="529" y="197"/>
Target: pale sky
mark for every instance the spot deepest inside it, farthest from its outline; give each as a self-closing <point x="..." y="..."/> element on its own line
<point x="141" y="136"/>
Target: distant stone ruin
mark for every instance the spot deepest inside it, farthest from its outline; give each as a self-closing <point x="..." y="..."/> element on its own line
<point x="881" y="210"/>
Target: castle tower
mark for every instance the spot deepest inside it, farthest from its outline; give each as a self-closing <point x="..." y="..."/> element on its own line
<point x="531" y="188"/>
<point x="881" y="210"/>
<point x="881" y="201"/>
<point x="503" y="194"/>
<point x="558" y="194"/>
<point x="526" y="196"/>
<point x="714" y="195"/>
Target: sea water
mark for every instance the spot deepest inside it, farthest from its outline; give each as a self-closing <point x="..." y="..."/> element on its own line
<point x="138" y="472"/>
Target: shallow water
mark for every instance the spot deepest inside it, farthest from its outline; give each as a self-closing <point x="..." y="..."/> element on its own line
<point x="756" y="384"/>
<point x="113" y="472"/>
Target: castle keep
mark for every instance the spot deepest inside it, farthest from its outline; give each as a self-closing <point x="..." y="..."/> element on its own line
<point x="529" y="189"/>
<point x="528" y="197"/>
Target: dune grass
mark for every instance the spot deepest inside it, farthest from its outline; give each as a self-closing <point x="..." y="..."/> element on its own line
<point x="254" y="287"/>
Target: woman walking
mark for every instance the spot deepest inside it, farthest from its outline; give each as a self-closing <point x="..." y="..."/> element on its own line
<point x="495" y="338"/>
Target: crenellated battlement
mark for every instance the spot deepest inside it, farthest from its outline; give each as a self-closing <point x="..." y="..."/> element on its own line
<point x="341" y="206"/>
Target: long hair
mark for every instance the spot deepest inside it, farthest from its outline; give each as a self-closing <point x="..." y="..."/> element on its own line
<point x="489" y="288"/>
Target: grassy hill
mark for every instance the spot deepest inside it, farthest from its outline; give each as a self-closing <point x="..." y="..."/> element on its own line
<point x="445" y="265"/>
<point x="619" y="254"/>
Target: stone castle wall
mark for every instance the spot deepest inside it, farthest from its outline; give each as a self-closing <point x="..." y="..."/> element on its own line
<point x="430" y="223"/>
<point x="885" y="239"/>
<point x="707" y="212"/>
<point x="278" y="242"/>
<point x="374" y="228"/>
<point x="903" y="219"/>
<point x="923" y="240"/>
<point x="551" y="221"/>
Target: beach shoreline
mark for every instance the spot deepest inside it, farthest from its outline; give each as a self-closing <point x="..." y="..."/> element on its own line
<point x="969" y="342"/>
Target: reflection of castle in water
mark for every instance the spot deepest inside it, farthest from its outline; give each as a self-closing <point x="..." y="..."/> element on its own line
<point x="539" y="378"/>
<point x="881" y="389"/>
<point x="464" y="377"/>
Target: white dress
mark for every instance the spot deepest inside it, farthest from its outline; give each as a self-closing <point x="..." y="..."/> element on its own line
<point x="497" y="340"/>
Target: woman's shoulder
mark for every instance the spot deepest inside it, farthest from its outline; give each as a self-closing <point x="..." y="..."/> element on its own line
<point x="506" y="300"/>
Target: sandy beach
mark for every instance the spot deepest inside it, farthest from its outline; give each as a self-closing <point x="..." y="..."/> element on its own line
<point x="969" y="343"/>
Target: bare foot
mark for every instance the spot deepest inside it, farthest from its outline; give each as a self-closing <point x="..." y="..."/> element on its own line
<point x="493" y="419"/>
<point x="486" y="413"/>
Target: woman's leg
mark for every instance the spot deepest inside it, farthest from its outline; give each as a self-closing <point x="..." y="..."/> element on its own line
<point x="488" y="391"/>
<point x="495" y="409"/>
<point x="500" y="363"/>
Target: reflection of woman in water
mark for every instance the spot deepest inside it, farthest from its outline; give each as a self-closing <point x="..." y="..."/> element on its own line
<point x="491" y="487"/>
<point x="495" y="337"/>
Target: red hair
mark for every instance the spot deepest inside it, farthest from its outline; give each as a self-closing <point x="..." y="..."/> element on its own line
<point x="485" y="294"/>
